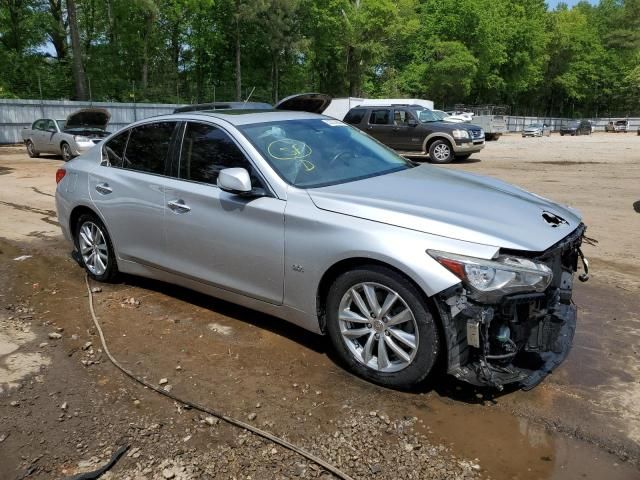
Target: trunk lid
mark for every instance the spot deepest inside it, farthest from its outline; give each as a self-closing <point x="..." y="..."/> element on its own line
<point x="305" y="102"/>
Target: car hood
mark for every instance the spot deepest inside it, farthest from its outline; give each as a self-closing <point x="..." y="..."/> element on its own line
<point x="447" y="126"/>
<point x="88" y="118"/>
<point x="453" y="204"/>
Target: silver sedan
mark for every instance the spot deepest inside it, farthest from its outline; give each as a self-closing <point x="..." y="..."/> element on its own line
<point x="308" y="219"/>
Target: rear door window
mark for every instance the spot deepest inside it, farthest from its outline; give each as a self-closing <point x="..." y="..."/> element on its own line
<point x="148" y="147"/>
<point x="380" y="117"/>
<point x="112" y="150"/>
<point x="355" y="116"/>
<point x="206" y="150"/>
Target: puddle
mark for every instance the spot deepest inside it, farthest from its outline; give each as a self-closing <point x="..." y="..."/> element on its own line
<point x="515" y="448"/>
<point x="14" y="364"/>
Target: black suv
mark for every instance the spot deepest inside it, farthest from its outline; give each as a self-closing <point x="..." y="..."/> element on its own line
<point x="415" y="129"/>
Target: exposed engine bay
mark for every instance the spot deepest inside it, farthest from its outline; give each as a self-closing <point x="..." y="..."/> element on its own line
<point x="518" y="338"/>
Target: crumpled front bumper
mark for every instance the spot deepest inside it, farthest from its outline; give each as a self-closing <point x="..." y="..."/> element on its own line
<point x="541" y="327"/>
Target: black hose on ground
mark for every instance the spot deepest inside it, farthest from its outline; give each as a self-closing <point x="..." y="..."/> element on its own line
<point x="238" y="423"/>
<point x="93" y="475"/>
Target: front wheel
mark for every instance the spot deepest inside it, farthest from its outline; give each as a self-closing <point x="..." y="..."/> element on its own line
<point x="440" y="151"/>
<point x="66" y="152"/>
<point x="95" y="248"/>
<point x="381" y="328"/>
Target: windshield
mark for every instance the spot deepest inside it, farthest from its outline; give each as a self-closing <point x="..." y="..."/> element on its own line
<point x="61" y="124"/>
<point x="574" y="124"/>
<point x="621" y="122"/>
<point x="426" y="116"/>
<point x="318" y="152"/>
<point x="439" y="114"/>
<point x="535" y="125"/>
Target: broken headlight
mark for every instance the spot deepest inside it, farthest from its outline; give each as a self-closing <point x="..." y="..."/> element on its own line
<point x="497" y="277"/>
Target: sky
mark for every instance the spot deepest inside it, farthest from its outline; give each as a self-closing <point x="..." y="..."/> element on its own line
<point x="553" y="3"/>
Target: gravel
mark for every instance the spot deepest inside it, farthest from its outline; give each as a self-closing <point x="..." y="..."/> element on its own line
<point x="365" y="446"/>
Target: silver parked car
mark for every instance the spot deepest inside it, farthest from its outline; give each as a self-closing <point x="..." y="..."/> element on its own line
<point x="68" y="138"/>
<point x="308" y="219"/>
<point x="536" y="130"/>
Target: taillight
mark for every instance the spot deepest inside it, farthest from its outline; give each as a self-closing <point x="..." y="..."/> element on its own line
<point x="60" y="174"/>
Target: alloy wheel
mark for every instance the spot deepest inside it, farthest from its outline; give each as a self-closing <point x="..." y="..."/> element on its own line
<point x="30" y="149"/>
<point x="93" y="248"/>
<point x="378" y="327"/>
<point x="441" y="152"/>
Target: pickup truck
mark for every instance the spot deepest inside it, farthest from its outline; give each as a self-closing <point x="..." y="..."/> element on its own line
<point x="69" y="138"/>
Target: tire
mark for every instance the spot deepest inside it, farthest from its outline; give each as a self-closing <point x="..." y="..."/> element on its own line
<point x="31" y="150"/>
<point x="351" y="338"/>
<point x="440" y="151"/>
<point x="65" y="151"/>
<point x="561" y="134"/>
<point x="88" y="228"/>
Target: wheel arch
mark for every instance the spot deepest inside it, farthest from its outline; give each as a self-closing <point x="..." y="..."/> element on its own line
<point x="76" y="213"/>
<point x="438" y="136"/>
<point x="347" y="264"/>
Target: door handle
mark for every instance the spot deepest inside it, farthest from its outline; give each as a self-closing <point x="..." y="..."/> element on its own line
<point x="178" y="206"/>
<point x="103" y="188"/>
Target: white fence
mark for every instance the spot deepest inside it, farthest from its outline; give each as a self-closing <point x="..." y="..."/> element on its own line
<point x="18" y="114"/>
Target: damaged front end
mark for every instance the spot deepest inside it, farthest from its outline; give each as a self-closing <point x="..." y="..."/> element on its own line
<point x="519" y="331"/>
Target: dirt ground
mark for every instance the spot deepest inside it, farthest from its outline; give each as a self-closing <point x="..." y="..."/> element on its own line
<point x="65" y="409"/>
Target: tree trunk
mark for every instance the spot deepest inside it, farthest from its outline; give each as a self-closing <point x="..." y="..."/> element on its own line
<point x="58" y="31"/>
<point x="276" y="78"/>
<point x="145" y="51"/>
<point x="352" y="73"/>
<point x="79" y="76"/>
<point x="238" y="72"/>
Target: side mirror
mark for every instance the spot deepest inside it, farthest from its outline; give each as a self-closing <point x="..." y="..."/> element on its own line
<point x="412" y="122"/>
<point x="234" y="180"/>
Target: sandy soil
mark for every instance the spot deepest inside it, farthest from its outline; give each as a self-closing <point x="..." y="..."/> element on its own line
<point x="64" y="408"/>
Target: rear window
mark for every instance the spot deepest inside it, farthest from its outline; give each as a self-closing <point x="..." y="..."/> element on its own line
<point x="355" y="116"/>
<point x="148" y="147"/>
<point x="380" y="117"/>
<point x="113" y="149"/>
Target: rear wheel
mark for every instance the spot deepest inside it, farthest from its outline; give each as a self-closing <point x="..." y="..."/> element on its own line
<point x="440" y="151"/>
<point x="381" y="328"/>
<point x="31" y="150"/>
<point x="94" y="246"/>
<point x="66" y="151"/>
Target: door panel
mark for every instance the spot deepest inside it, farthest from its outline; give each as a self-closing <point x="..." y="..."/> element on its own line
<point x="132" y="205"/>
<point x="226" y="240"/>
<point x="50" y="138"/>
<point x="380" y="126"/>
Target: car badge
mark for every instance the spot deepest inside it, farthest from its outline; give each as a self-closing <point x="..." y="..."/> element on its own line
<point x="553" y="220"/>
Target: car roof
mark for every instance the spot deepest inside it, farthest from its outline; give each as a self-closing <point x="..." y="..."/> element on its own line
<point x="392" y="105"/>
<point x="239" y="117"/>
